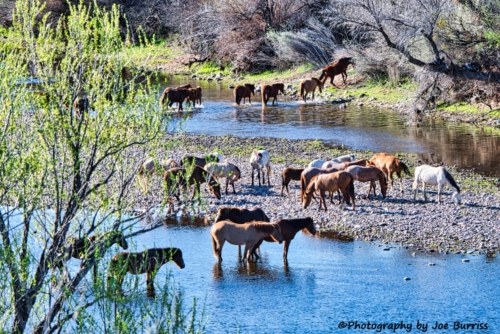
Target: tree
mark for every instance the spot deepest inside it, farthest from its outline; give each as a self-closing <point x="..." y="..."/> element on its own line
<point x="65" y="171"/>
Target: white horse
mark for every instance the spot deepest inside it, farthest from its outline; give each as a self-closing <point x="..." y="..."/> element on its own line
<point x="224" y="169"/>
<point x="260" y="160"/>
<point x="435" y="175"/>
<point x="322" y="163"/>
<point x="148" y="168"/>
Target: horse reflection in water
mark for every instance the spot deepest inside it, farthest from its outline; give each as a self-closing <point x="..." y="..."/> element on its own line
<point x="258" y="270"/>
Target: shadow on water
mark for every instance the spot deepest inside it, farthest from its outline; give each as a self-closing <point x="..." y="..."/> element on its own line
<point x="357" y="127"/>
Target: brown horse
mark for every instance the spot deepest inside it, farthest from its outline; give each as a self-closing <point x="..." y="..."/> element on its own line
<point x="84" y="249"/>
<point x="242" y="92"/>
<point x="176" y="95"/>
<point x="175" y="178"/>
<point x="338" y="67"/>
<point x="307" y="175"/>
<point x="307" y="86"/>
<point x="241" y="216"/>
<point x="269" y="91"/>
<point x="331" y="182"/>
<point x="242" y="234"/>
<point x="369" y="174"/>
<point x="289" y="228"/>
<point x="81" y="105"/>
<point x="196" y="95"/>
<point x="148" y="262"/>
<point x="389" y="165"/>
<point x="288" y="175"/>
<point x="190" y="160"/>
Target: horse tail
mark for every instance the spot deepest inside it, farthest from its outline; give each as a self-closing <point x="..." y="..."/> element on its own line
<point x="162" y="99"/>
<point x="214" y="247"/>
<point x="322" y="75"/>
<point x="302" y="187"/>
<point x="237" y="97"/>
<point x="301" y="90"/>
<point x="404" y="168"/>
<point x="451" y="180"/>
<point x="350" y="189"/>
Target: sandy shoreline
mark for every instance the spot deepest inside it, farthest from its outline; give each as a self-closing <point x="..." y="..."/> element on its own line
<point x="471" y="227"/>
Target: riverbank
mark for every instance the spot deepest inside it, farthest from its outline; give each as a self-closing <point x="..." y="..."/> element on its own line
<point x="169" y="58"/>
<point x="471" y="227"/>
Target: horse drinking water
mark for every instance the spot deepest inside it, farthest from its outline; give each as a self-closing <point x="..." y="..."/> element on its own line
<point x="435" y="175"/>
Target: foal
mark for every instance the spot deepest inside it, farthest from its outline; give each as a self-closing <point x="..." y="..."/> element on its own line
<point x="288" y="175"/>
<point x="148" y="262"/>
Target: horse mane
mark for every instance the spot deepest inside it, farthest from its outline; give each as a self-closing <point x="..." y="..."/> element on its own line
<point x="264" y="227"/>
<point x="298" y="223"/>
<point x="317" y="80"/>
<point x="451" y="180"/>
<point x="236" y="167"/>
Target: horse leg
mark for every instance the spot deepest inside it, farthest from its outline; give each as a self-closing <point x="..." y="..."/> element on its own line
<point x="423" y="190"/>
<point x="440" y="190"/>
<point x="227" y="183"/>
<point x="258" y="175"/>
<point x="400" y="180"/>
<point x="252" y="175"/>
<point x="322" y="199"/>
<point x="415" y="189"/>
<point x="268" y="168"/>
<point x="232" y="183"/>
<point x="220" y="243"/>
<point x="286" y="244"/>
<point x="150" y="276"/>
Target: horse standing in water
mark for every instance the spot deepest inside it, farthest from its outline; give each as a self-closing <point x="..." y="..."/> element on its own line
<point x="148" y="262"/>
<point x="307" y="86"/>
<point x="242" y="92"/>
<point x="242" y="234"/>
<point x="435" y="175"/>
<point x="339" y="67"/>
<point x="389" y="165"/>
<point x="269" y="91"/>
<point x="289" y="228"/>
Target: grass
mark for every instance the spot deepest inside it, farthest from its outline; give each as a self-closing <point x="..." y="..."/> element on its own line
<point x="383" y="92"/>
<point x="461" y="107"/>
<point x="270" y="76"/>
<point x="154" y="53"/>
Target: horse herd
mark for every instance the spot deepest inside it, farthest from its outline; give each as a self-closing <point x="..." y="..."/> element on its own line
<point x="242" y="92"/>
<point x="243" y="227"/>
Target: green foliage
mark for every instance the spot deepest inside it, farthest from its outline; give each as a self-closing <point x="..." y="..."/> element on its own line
<point x="493" y="38"/>
<point x="68" y="171"/>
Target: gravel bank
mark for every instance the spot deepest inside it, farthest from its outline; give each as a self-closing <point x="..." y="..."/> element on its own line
<point x="472" y="227"/>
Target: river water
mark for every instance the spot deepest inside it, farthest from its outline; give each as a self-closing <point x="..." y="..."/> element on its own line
<point x="366" y="127"/>
<point x="326" y="282"/>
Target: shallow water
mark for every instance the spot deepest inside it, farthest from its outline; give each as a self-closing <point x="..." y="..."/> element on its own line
<point x="326" y="282"/>
<point x="467" y="146"/>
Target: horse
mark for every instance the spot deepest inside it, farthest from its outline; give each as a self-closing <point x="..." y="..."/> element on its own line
<point x="338" y="67"/>
<point x="148" y="167"/>
<point x="269" y="91"/>
<point x="175" y="95"/>
<point x="342" y="181"/>
<point x="289" y="228"/>
<point x="241" y="216"/>
<point x="307" y="175"/>
<point x="288" y="175"/>
<point x="435" y="175"/>
<point x="344" y="165"/>
<point x="369" y="174"/>
<point x="175" y="178"/>
<point x="258" y="160"/>
<point x="190" y="160"/>
<point x="242" y="234"/>
<point x="196" y="95"/>
<point x="81" y="105"/>
<point x="148" y="261"/>
<point x="318" y="163"/>
<point x="389" y="165"/>
<point x="186" y="86"/>
<point x="84" y="249"/>
<point x="224" y="169"/>
<point x="310" y="86"/>
<point x="242" y="92"/>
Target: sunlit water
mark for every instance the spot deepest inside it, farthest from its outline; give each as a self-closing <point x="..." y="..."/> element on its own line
<point x="466" y="146"/>
<point x="326" y="282"/>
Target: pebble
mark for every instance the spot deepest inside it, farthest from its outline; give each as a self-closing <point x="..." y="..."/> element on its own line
<point x="465" y="260"/>
<point x="431" y="264"/>
<point x="407" y="278"/>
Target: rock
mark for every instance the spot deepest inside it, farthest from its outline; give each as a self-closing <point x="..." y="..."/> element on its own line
<point x="372" y="99"/>
<point x="431" y="264"/>
<point x="362" y="95"/>
<point x="193" y="76"/>
<point x="230" y="86"/>
<point x="360" y="104"/>
<point x="210" y="79"/>
<point x="386" y="249"/>
<point x="465" y="260"/>
<point x="218" y="76"/>
<point x="407" y="278"/>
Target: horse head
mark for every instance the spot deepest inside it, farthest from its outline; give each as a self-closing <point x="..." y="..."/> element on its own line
<point x="310" y="226"/>
<point x="214" y="187"/>
<point x="120" y="240"/>
<point x="176" y="256"/>
<point x="222" y="214"/>
<point x="456" y="197"/>
<point x="276" y="235"/>
<point x="251" y="88"/>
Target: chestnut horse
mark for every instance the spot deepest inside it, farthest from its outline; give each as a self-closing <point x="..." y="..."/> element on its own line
<point x="242" y="92"/>
<point x="148" y="262"/>
<point x="269" y="91"/>
<point x="288" y="175"/>
<point x="196" y="95"/>
<point x="289" y="228"/>
<point x="307" y="175"/>
<point x="331" y="182"/>
<point x="310" y="86"/>
<point x="389" y="165"/>
<point x="369" y="174"/>
<point x="176" y="95"/>
<point x="242" y="234"/>
<point x="338" y="67"/>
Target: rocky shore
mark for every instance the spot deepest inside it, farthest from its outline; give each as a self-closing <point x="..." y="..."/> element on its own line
<point x="472" y="227"/>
